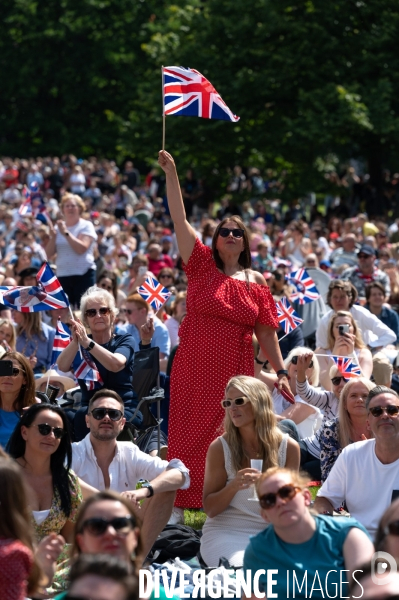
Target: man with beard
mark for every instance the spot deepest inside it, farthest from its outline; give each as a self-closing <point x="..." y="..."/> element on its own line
<point x="104" y="463"/>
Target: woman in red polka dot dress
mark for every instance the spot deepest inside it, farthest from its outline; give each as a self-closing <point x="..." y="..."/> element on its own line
<point x="226" y="303"/>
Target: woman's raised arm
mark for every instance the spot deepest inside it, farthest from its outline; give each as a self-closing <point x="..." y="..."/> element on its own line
<point x="184" y="232"/>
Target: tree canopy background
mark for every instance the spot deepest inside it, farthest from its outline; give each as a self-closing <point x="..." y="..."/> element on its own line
<point x="310" y="80"/>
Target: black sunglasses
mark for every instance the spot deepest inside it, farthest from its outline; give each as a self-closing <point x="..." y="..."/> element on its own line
<point x="106" y="287"/>
<point x="364" y="255"/>
<point x="294" y="361"/>
<point x="287" y="492"/>
<point x="392" y="410"/>
<point x="45" y="429"/>
<point x="113" y="413"/>
<point x="166" y="275"/>
<point x="225" y="232"/>
<point x="91" y="312"/>
<point x="98" y="526"/>
<point x="337" y="380"/>
<point x="392" y="528"/>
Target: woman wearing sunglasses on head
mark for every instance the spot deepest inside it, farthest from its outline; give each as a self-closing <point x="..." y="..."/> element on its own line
<point x="16" y="393"/>
<point x="349" y="426"/>
<point x="226" y="302"/>
<point x="112" y="354"/>
<point x="296" y="542"/>
<point x="306" y="417"/>
<point x="251" y="433"/>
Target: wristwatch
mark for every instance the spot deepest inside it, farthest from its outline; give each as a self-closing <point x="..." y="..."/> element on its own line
<point x="66" y="234"/>
<point x="282" y="372"/>
<point x="150" y="488"/>
<point x="90" y="346"/>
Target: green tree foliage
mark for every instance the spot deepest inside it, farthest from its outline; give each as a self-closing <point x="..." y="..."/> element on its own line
<point x="308" y="79"/>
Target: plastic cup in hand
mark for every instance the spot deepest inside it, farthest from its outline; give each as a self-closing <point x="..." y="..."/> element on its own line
<point x="258" y="465"/>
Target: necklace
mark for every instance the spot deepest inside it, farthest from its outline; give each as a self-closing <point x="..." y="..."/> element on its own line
<point x="252" y="450"/>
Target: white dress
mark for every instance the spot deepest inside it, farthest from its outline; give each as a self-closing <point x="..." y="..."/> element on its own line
<point x="228" y="533"/>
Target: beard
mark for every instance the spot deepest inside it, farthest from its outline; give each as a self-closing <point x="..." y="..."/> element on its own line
<point x="104" y="435"/>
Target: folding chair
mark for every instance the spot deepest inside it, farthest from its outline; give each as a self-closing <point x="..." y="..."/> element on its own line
<point x="146" y="385"/>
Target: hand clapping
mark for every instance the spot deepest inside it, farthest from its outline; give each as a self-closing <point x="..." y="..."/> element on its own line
<point x="79" y="334"/>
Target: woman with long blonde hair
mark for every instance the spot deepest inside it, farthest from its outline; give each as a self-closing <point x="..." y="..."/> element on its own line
<point x="349" y="426"/>
<point x="250" y="432"/>
<point x="344" y="339"/>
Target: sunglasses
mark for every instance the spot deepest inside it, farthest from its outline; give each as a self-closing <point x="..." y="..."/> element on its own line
<point x="337" y="380"/>
<point x="236" y="402"/>
<point x="364" y="255"/>
<point x="131" y="310"/>
<point x="16" y="371"/>
<point x="106" y="287"/>
<point x="287" y="492"/>
<point x="392" y="528"/>
<point x="91" y="312"/>
<point x="45" y="429"/>
<point x="165" y="277"/>
<point x="392" y="410"/>
<point x="225" y="232"/>
<point x="98" y="526"/>
<point x="294" y="361"/>
<point x="113" y="413"/>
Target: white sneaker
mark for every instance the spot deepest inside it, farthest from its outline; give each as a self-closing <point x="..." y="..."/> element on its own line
<point x="177" y="516"/>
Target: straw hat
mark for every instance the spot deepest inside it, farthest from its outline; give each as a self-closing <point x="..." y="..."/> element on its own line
<point x="52" y="375"/>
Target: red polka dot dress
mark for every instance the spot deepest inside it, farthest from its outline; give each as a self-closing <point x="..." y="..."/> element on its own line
<point x="215" y="345"/>
<point x="16" y="561"/>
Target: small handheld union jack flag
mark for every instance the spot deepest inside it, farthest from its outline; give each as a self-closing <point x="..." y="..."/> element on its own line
<point x="61" y="340"/>
<point x="347" y="367"/>
<point x="287" y="316"/>
<point x="46" y="295"/>
<point x="188" y="93"/>
<point x="306" y="291"/>
<point x="26" y="206"/>
<point x="154" y="293"/>
<point x="87" y="370"/>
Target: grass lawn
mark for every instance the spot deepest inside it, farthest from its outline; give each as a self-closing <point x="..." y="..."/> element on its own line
<point x="196" y="518"/>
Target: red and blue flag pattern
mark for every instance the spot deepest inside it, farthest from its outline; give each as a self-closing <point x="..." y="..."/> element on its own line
<point x="154" y="293"/>
<point x="347" y="367"/>
<point x="87" y="371"/>
<point x="61" y="340"/>
<point x="287" y="316"/>
<point x="46" y="295"/>
<point x="305" y="289"/>
<point x="188" y="93"/>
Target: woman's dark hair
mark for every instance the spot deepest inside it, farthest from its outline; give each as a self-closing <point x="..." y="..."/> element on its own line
<point x="106" y="566"/>
<point x="60" y="462"/>
<point x="27" y="393"/>
<point x="115" y="497"/>
<point x="387" y="517"/>
<point x="109" y="275"/>
<point x="245" y="259"/>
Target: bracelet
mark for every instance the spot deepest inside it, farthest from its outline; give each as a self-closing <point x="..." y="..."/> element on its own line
<point x="283" y="372"/>
<point x="66" y="234"/>
<point x="260" y="362"/>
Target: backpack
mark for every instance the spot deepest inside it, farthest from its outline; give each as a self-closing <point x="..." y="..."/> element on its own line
<point x="176" y="541"/>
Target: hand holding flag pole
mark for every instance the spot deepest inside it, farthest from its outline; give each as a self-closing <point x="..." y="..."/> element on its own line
<point x="163" y="109"/>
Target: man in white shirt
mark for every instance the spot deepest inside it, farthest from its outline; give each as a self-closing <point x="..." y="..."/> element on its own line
<point x="342" y="295"/>
<point x="104" y="463"/>
<point x="366" y="474"/>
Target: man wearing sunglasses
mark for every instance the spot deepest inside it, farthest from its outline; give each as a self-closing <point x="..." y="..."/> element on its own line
<point x="366" y="474"/>
<point x="108" y="464"/>
<point x="366" y="272"/>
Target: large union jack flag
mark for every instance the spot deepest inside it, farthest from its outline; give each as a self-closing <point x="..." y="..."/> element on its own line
<point x="188" y="93"/>
<point x="287" y="316"/>
<point x="61" y="340"/>
<point x="154" y="293"/>
<point x="86" y="370"/>
<point x="46" y="295"/>
<point x="305" y="289"/>
<point x="347" y="367"/>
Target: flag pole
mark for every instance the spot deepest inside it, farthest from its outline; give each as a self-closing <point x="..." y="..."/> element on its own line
<point x="163" y="109"/>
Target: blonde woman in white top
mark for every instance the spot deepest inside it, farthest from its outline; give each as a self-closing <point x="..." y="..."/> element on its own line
<point x="251" y="432"/>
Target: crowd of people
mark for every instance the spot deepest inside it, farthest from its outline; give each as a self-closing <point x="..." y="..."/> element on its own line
<point x="250" y="406"/>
